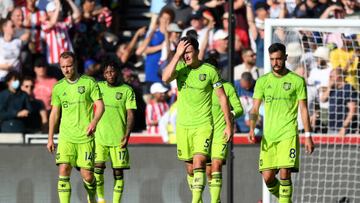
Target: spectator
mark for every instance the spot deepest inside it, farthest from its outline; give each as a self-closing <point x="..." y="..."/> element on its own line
<point x="156" y="108"/>
<point x="348" y="9"/>
<point x="294" y="52"/>
<point x="43" y="83"/>
<point x="308" y="9"/>
<point x="346" y="58"/>
<point x="277" y="9"/>
<point x="221" y="49"/>
<point x="342" y="99"/>
<point x="245" y="90"/>
<point x="35" y="16"/>
<point x="14" y="105"/>
<point x="241" y="14"/>
<point x="57" y="38"/>
<point x="256" y="28"/>
<point x="6" y="6"/>
<point x="10" y="48"/>
<point x="241" y="36"/>
<point x="171" y="40"/>
<point x="197" y="24"/>
<point x="37" y="121"/>
<point x="248" y="65"/>
<point x="182" y="12"/>
<point x="152" y="46"/>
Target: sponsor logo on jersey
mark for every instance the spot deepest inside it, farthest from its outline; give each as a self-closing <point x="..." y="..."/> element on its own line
<point x="287" y="86"/>
<point x="118" y="95"/>
<point x="202" y="77"/>
<point x="81" y="89"/>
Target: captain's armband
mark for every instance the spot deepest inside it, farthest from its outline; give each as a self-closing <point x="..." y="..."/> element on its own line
<point x="253" y="116"/>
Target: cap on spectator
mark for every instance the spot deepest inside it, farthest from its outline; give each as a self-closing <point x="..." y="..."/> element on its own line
<point x="294" y="49"/>
<point x="322" y="52"/>
<point x="220" y="35"/>
<point x="261" y="5"/>
<point x="88" y="63"/>
<point x="196" y="16"/>
<point x="158" y="88"/>
<point x="50" y="6"/>
<point x="259" y="24"/>
<point x="173" y="27"/>
<point x="40" y="63"/>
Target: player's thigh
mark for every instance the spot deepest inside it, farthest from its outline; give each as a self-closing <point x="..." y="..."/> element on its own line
<point x="267" y="159"/>
<point x="85" y="155"/>
<point x="66" y="153"/>
<point x="184" y="144"/>
<point x="202" y="139"/>
<point x="120" y="158"/>
<point x="219" y="146"/>
<point x="102" y="153"/>
<point x="288" y="153"/>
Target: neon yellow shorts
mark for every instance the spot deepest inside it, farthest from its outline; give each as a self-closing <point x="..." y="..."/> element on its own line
<point x="282" y="154"/>
<point x="219" y="146"/>
<point x="79" y="155"/>
<point x="191" y="141"/>
<point x="118" y="156"/>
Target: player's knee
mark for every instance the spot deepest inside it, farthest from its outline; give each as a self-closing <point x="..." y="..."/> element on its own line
<point x="189" y="168"/>
<point x="64" y="169"/>
<point x="118" y="172"/>
<point x="268" y="177"/>
<point x="199" y="161"/>
<point x="216" y="165"/>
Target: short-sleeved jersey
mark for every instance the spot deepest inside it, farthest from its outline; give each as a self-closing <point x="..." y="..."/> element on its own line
<point x="76" y="103"/>
<point x="195" y="87"/>
<point x="281" y="96"/>
<point x="112" y="125"/>
<point x="235" y="105"/>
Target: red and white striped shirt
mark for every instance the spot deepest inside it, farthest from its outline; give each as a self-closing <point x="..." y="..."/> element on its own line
<point x="153" y="113"/>
<point x="35" y="26"/>
<point x="57" y="39"/>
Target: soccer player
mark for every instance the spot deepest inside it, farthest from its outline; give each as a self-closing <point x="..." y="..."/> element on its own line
<point x="196" y="82"/>
<point x="282" y="92"/>
<point x="72" y="101"/>
<point x="113" y="131"/>
<point x="219" y="146"/>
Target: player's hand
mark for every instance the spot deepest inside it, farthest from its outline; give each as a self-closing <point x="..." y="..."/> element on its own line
<point x="91" y="129"/>
<point x="251" y="136"/>
<point x="228" y="134"/>
<point x="309" y="145"/>
<point x="124" y="141"/>
<point x="50" y="146"/>
<point x="183" y="44"/>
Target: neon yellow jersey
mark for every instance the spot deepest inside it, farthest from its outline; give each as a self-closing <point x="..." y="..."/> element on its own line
<point x="195" y="94"/>
<point x="281" y="96"/>
<point x="112" y="125"/>
<point x="235" y="106"/>
<point x="76" y="103"/>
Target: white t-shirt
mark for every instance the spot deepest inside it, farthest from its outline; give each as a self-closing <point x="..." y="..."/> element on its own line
<point x="10" y="54"/>
<point x="240" y="69"/>
<point x="319" y="77"/>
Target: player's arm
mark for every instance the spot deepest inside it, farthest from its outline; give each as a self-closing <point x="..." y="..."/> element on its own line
<point x="309" y="145"/>
<point x="226" y="110"/>
<point x="253" y="117"/>
<point x="237" y="109"/>
<point x="169" y="73"/>
<point x="53" y="124"/>
<point x="97" y="115"/>
<point x="129" y="127"/>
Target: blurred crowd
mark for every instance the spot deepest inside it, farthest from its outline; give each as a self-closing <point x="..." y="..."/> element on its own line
<point x="35" y="32"/>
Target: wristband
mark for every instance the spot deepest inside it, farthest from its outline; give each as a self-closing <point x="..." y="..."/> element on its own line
<point x="308" y="134"/>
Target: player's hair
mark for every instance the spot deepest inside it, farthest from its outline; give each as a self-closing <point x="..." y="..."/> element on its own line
<point x="112" y="64"/>
<point x="68" y="54"/>
<point x="277" y="47"/>
<point x="193" y="42"/>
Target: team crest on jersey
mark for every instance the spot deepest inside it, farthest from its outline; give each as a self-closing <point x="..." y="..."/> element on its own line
<point x="81" y="89"/>
<point x="287" y="86"/>
<point x="202" y="77"/>
<point x="118" y="95"/>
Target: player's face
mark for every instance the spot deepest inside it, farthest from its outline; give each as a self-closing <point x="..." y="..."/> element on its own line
<point x="111" y="75"/>
<point x="277" y="60"/>
<point x="190" y="55"/>
<point x="68" y="68"/>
